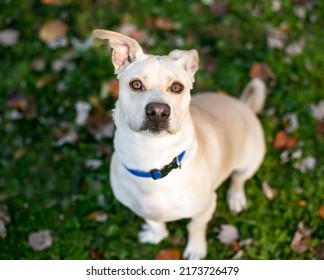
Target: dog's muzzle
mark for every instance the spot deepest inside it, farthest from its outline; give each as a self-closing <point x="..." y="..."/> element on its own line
<point x="157" y="117"/>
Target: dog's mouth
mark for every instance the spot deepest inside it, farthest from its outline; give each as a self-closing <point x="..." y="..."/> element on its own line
<point x="155" y="127"/>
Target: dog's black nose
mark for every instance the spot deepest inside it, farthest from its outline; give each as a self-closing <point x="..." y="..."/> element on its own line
<point x="158" y="112"/>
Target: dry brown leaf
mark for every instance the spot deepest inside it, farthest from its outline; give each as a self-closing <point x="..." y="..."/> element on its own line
<point x="320" y="128"/>
<point x="96" y="254"/>
<point x="268" y="191"/>
<point x="52" y="2"/>
<point x="24" y="106"/>
<point x="164" y="23"/>
<point x="319" y="251"/>
<point x="113" y="88"/>
<point x="100" y="123"/>
<point x="276" y="37"/>
<point x="40" y="240"/>
<point x="301" y="239"/>
<point x="284" y="141"/>
<point x="17" y="101"/>
<point x="168" y="254"/>
<point x="4" y="220"/>
<point x="97" y="216"/>
<point x="20" y="153"/>
<point x="261" y="70"/>
<point x="321" y="212"/>
<point x="53" y="30"/>
<point x="220" y="9"/>
<point x="44" y="81"/>
<point x="178" y="241"/>
<point x="64" y="133"/>
<point x="302" y="203"/>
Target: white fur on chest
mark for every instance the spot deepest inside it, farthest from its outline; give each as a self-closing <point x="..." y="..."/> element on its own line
<point x="168" y="199"/>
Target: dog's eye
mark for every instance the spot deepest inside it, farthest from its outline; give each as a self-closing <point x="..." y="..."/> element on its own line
<point x="176" y="87"/>
<point x="136" y="85"/>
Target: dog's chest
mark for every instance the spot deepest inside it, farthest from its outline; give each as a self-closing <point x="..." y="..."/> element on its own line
<point x="168" y="199"/>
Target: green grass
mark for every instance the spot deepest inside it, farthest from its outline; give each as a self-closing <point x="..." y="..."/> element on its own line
<point x="49" y="187"/>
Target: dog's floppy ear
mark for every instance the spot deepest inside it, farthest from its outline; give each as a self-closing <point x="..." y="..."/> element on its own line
<point x="189" y="60"/>
<point x="125" y="49"/>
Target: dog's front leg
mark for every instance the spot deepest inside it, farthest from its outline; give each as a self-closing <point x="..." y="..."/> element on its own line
<point x="153" y="232"/>
<point x="196" y="248"/>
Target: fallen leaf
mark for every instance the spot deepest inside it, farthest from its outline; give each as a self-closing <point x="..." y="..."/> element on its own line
<point x="268" y="191"/>
<point x="168" y="254"/>
<point x="44" y="81"/>
<point x="110" y="88"/>
<point x="320" y="128"/>
<point x="276" y="5"/>
<point x="284" y="141"/>
<point x="228" y="234"/>
<point x="64" y="133"/>
<point x="178" y="241"/>
<point x="82" y="46"/>
<point x="20" y="153"/>
<point x="260" y="70"/>
<point x="113" y="87"/>
<point x="238" y="255"/>
<point x="307" y="164"/>
<point x="25" y="107"/>
<point x="62" y="64"/>
<point x="209" y="63"/>
<point x="97" y="216"/>
<point x="300" y="11"/>
<point x="276" y="37"/>
<point x="302" y="203"/>
<point x="295" y="48"/>
<point x="301" y="239"/>
<point x="235" y="246"/>
<point x="82" y="112"/>
<point x="246" y="242"/>
<point x="319" y="251"/>
<point x="100" y="124"/>
<point x="93" y="164"/>
<point x="131" y="30"/>
<point x="40" y="240"/>
<point x="321" y="212"/>
<point x="52" y="2"/>
<point x="38" y="64"/>
<point x="96" y="254"/>
<point x="220" y="8"/>
<point x="164" y="23"/>
<point x="3" y="229"/>
<point x="53" y="30"/>
<point x="317" y="110"/>
<point x="291" y="122"/>
<point x="8" y="37"/>
<point x="4" y="220"/>
<point x="17" y="101"/>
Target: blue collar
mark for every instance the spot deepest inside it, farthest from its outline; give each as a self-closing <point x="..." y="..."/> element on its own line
<point x="159" y="173"/>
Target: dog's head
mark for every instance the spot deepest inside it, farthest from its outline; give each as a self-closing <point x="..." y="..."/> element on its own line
<point x="154" y="91"/>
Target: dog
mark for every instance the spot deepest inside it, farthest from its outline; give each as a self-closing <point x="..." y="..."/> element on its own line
<point x="172" y="151"/>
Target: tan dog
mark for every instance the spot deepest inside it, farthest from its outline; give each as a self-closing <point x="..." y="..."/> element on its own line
<point x="172" y="152"/>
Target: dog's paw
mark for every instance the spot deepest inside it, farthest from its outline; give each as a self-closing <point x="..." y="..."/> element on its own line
<point x="149" y="235"/>
<point x="195" y="251"/>
<point x="236" y="201"/>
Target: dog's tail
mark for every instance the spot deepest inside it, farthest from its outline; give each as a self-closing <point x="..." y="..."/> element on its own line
<point x="254" y="95"/>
